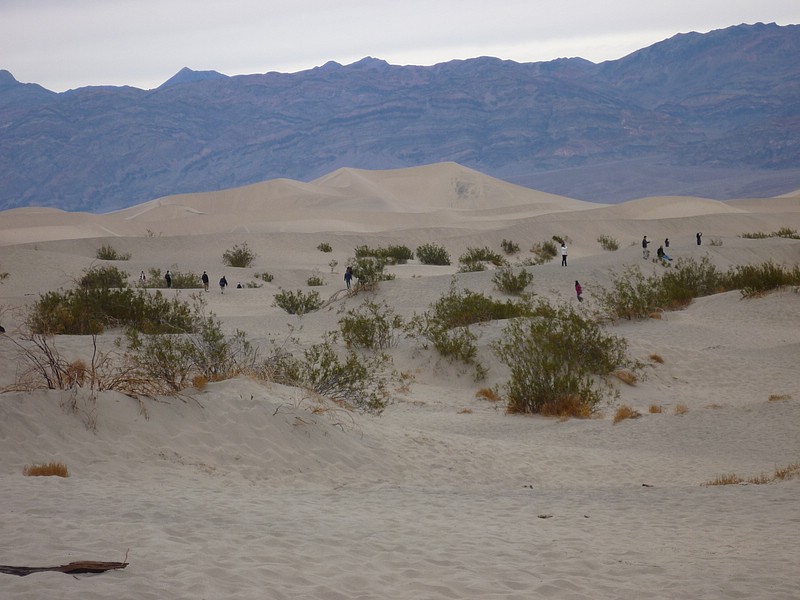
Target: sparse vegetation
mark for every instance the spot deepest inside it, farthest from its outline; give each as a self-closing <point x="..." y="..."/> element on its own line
<point x="715" y="241"/>
<point x="239" y="256"/>
<point x="372" y="326"/>
<point x="298" y="302"/>
<point x="57" y="469"/>
<point x="779" y="397"/>
<point x="544" y="252"/>
<point x="780" y="474"/>
<point x="656" y="358"/>
<point x="391" y="255"/>
<point x="509" y="247"/>
<point x="655" y="409"/>
<point x="106" y="276"/>
<point x="608" y="243"/>
<point x="264" y="277"/>
<point x="507" y="281"/>
<point x="325" y="247"/>
<point x="315" y="280"/>
<point x="107" y="252"/>
<point x="475" y="259"/>
<point x="369" y="272"/>
<point x="180" y="281"/>
<point x="626" y="376"/>
<point x="784" y="232"/>
<point x="559" y="361"/>
<point x="433" y="254"/>
<point x="488" y="394"/>
<point x="681" y="409"/>
<point x="626" y="412"/>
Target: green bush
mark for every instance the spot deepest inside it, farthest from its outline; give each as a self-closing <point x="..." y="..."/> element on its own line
<point x="315" y="280"/>
<point x="608" y="243"/>
<point x="391" y="255"/>
<point x="558" y="362"/>
<point x="180" y="281"/>
<point x="298" y="302"/>
<point x="784" y="232"/>
<point x="433" y="254"/>
<point x="325" y="247"/>
<point x="506" y="281"/>
<point x="369" y="272"/>
<point x="754" y="280"/>
<point x="264" y="276"/>
<point x="474" y="259"/>
<point x="104" y="277"/>
<point x="544" y="252"/>
<point x="238" y="256"/>
<point x="509" y="247"/>
<point x="459" y="308"/>
<point x="107" y="252"/>
<point x="372" y="326"/>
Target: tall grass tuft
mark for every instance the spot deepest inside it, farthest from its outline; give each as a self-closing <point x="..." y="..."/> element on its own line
<point x="56" y="469"/>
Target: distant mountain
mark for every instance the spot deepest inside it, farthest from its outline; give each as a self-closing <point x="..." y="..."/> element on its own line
<point x="714" y="115"/>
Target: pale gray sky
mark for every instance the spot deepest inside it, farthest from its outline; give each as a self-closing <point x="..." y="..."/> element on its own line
<point x="64" y="44"/>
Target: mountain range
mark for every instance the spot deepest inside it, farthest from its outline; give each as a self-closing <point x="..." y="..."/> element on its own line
<point x="714" y="115"/>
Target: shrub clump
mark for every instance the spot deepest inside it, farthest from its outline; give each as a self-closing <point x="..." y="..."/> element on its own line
<point x="391" y="255"/>
<point x="544" y="252"/>
<point x="372" y="326"/>
<point x="325" y="247"/>
<point x="315" y="280"/>
<point x="559" y="361"/>
<point x="433" y="254"/>
<point x="608" y="243"/>
<point x="180" y="281"/>
<point x="57" y="469"/>
<point x="369" y="272"/>
<point x="298" y="302"/>
<point x="510" y="283"/>
<point x="104" y="277"/>
<point x="509" y="247"/>
<point x="475" y="259"/>
<point x="239" y="256"/>
<point x="107" y="252"/>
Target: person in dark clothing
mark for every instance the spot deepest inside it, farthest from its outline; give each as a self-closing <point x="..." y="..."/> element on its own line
<point x="645" y="251"/>
<point x="168" y="277"/>
<point x="661" y="254"/>
<point x="223" y="283"/>
<point x="579" y="291"/>
<point x="699" y="236"/>
<point x="666" y="242"/>
<point x="348" y="276"/>
<point x="205" y="280"/>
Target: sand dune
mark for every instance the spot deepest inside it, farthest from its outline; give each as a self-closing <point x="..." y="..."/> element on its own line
<point x="248" y="490"/>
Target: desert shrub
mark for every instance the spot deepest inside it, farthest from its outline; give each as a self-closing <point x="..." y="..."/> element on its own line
<point x="559" y="239"/>
<point x="753" y="280"/>
<point x="333" y="264"/>
<point x="558" y="357"/>
<point x="656" y="358"/>
<point x="784" y="232"/>
<point x="107" y="252"/>
<point x="391" y="255"/>
<point x="688" y="279"/>
<point x="510" y="283"/>
<point x="238" y="256"/>
<point x="369" y="272"/>
<point x="631" y="296"/>
<point x="106" y="276"/>
<point x="264" y="277"/>
<point x="57" y="469"/>
<point x="324" y="247"/>
<point x="433" y="254"/>
<point x="681" y="409"/>
<point x="608" y="243"/>
<point x="315" y="280"/>
<point x="298" y="302"/>
<point x="544" y="252"/>
<point x="253" y="285"/>
<point x="180" y="281"/>
<point x="626" y="412"/>
<point x="474" y="259"/>
<point x="509" y="247"/>
<point x="359" y="381"/>
<point x="373" y="326"/>
<point x="715" y="241"/>
<point x="455" y="344"/>
<point x="655" y="409"/>
<point x="488" y="394"/>
<point x="459" y="308"/>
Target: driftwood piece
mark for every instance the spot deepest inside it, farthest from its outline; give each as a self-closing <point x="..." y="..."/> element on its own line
<point x="81" y="566"/>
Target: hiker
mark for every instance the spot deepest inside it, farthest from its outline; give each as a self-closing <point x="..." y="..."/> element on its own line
<point x="579" y="291"/>
<point x="645" y="251"/>
<point x="205" y="280"/>
<point x="348" y="276"/>
<point x="661" y="254"/>
<point x="563" y="254"/>
<point x="142" y="278"/>
<point x="223" y="283"/>
<point x="168" y="277"/>
<point x="666" y="242"/>
<point x="239" y="285"/>
<point x="698" y="236"/>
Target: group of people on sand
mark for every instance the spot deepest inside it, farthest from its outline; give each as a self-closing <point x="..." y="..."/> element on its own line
<point x="223" y="282"/>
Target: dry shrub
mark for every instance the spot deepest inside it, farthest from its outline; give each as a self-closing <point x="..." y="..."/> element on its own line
<point x="626" y="412"/>
<point x="780" y="474"/>
<point x="681" y="409"/>
<point x="657" y="358"/>
<point x="788" y="471"/>
<point x="655" y="409"/>
<point x="487" y="394"/>
<point x="54" y="468"/>
<point x="714" y="405"/>
<point x="779" y="397"/>
<point x="568" y="407"/>
<point x="76" y="372"/>
<point x="465" y="411"/>
<point x="655" y="315"/>
<point x="199" y="382"/>
<point x="625" y="376"/>
<point x="727" y="479"/>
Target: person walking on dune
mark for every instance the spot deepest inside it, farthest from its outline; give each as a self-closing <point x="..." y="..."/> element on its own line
<point x="205" y="280"/>
<point x="563" y="254"/>
<point x="699" y="237"/>
<point x="168" y="278"/>
<point x="579" y="291"/>
<point x="348" y="276"/>
<point x="223" y="283"/>
<point x="645" y="251"/>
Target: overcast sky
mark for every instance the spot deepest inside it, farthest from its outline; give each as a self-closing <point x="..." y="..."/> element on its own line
<point x="64" y="44"/>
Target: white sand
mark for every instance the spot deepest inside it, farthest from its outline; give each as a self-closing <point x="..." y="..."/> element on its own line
<point x="243" y="492"/>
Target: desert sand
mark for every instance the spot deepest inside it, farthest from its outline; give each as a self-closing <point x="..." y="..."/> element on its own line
<point x="243" y="490"/>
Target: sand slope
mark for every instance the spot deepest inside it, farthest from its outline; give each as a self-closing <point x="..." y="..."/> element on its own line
<point x="247" y="490"/>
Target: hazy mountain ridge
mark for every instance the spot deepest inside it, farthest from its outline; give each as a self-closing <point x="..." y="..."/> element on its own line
<point x="686" y="112"/>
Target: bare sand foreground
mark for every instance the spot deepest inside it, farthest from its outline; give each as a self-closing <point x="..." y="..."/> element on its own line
<point x="245" y="492"/>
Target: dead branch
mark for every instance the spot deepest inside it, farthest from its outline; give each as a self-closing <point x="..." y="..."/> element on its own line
<point x="81" y="566"/>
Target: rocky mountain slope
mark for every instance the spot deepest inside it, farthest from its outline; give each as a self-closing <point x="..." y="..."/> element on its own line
<point x="714" y="114"/>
